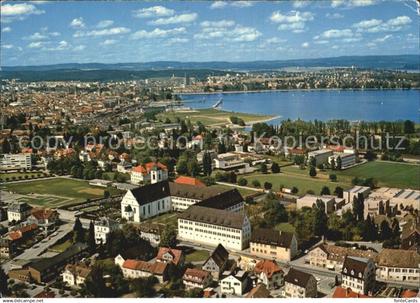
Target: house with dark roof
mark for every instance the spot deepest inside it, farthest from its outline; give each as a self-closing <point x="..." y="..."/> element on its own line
<point x="358" y="274"/>
<point x="154" y="199"/>
<point x="273" y="244"/>
<point x="46" y="269"/>
<point x="211" y="226"/>
<point x="235" y="283"/>
<point x="18" y="211"/>
<point x="398" y="265"/>
<point x="216" y="262"/>
<point x="299" y="284"/>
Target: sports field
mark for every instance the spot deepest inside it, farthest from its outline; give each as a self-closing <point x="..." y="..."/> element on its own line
<point x="55" y="192"/>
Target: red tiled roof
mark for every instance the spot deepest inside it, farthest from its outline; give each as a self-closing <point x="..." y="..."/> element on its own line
<point x="189" y="181"/>
<point x="347" y="293"/>
<point x="154" y="268"/>
<point x="146" y="168"/>
<point x="176" y="254"/>
<point x="408" y="293"/>
<point x="195" y="275"/>
<point x="43" y="213"/>
<point x="268" y="267"/>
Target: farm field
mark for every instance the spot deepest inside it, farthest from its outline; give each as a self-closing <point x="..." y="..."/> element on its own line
<point x="56" y="192"/>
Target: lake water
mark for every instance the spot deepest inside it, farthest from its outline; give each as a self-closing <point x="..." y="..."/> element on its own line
<point x="368" y="105"/>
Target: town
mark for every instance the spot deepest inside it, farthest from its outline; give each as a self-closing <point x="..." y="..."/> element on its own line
<point x="207" y="209"/>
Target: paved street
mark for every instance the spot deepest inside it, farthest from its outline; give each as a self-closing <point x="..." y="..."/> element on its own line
<point x="41" y="246"/>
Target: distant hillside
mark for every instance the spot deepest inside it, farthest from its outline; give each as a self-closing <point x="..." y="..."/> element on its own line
<point x="103" y="74"/>
<point x="126" y="71"/>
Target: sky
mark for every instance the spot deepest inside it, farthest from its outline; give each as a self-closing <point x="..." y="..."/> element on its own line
<point x="50" y="32"/>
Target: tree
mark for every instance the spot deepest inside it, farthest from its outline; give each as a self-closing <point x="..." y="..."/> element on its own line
<point x="263" y="168"/>
<point x="369" y="232"/>
<point x="256" y="183"/>
<point x="106" y="194"/>
<point x="321" y="219"/>
<point x="312" y="161"/>
<point x="3" y="283"/>
<point x="194" y="293"/>
<point x="325" y="191"/>
<point x="144" y="287"/>
<point x="339" y="163"/>
<point x="168" y="237"/>
<point x="295" y="190"/>
<point x="358" y="207"/>
<point x="396" y="229"/>
<point x="370" y="155"/>
<point x="275" y="212"/>
<point x="312" y="171"/>
<point x="385" y="231"/>
<point x="95" y="283"/>
<point x="91" y="238"/>
<point x="409" y="127"/>
<point x="193" y="168"/>
<point x="207" y="164"/>
<point x="242" y="182"/>
<point x="267" y="185"/>
<point x="333" y="177"/>
<point x="181" y="167"/>
<point x="339" y="191"/>
<point x="79" y="232"/>
<point x="275" y="168"/>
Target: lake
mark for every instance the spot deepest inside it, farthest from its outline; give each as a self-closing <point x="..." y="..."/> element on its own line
<point x="368" y="105"/>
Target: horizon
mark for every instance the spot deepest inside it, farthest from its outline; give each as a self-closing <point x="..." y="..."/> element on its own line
<point x="46" y="33"/>
<point x="158" y="61"/>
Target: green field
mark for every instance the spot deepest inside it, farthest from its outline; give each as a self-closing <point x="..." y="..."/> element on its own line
<point x="56" y="192"/>
<point x="167" y="219"/>
<point x="303" y="182"/>
<point x="197" y="256"/>
<point x="210" y="116"/>
<point x="391" y="174"/>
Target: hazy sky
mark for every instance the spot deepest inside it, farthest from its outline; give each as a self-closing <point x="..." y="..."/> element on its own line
<point x="43" y="32"/>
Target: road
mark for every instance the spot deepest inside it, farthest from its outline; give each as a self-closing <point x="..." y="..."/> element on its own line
<point x="243" y="187"/>
<point x="41" y="247"/>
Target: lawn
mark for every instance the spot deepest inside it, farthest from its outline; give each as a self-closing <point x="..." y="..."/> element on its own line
<point x="210" y="116"/>
<point x="56" y="192"/>
<point x="167" y="219"/>
<point x="391" y="174"/>
<point x="61" y="246"/>
<point x="197" y="256"/>
<point x="302" y="181"/>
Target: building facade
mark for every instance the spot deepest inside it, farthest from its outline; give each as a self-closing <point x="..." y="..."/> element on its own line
<point x="298" y="284"/>
<point x="398" y="265"/>
<point x="103" y="227"/>
<point x="15" y="162"/>
<point x="358" y="274"/>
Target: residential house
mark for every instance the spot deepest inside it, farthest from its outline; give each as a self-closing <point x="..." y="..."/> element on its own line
<point x="196" y="278"/>
<point x="217" y="262"/>
<point x="170" y="256"/>
<point x="210" y="226"/>
<point x="152" y="172"/>
<point x="44" y="217"/>
<point x="18" y="211"/>
<point x="358" y="274"/>
<point x="103" y="227"/>
<point x="75" y="274"/>
<point x="133" y="269"/>
<point x="259" y="292"/>
<point x="273" y="244"/>
<point x="398" y="265"/>
<point x="151" y="232"/>
<point x="269" y="274"/>
<point x="235" y="283"/>
<point x="299" y="284"/>
<point x="332" y="257"/>
<point x="9" y="243"/>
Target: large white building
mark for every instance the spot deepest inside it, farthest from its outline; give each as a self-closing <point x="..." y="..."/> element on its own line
<point x="18" y="211"/>
<point x="402" y="198"/>
<point x="348" y="158"/>
<point x="321" y="156"/>
<point x="154" y="199"/>
<point x="235" y="283"/>
<point x="212" y="226"/>
<point x="103" y="227"/>
<point x="15" y="161"/>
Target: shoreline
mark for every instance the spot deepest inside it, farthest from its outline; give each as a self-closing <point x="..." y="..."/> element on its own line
<point x="296" y="90"/>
